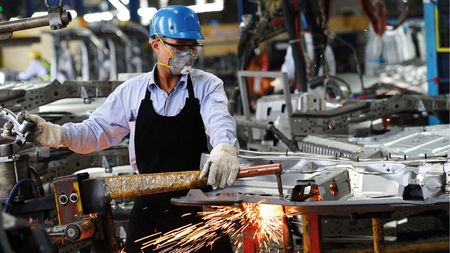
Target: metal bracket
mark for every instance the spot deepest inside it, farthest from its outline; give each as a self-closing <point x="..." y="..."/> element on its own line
<point x="5" y="36"/>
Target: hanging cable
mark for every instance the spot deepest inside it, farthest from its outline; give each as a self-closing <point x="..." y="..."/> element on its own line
<point x="14" y="190"/>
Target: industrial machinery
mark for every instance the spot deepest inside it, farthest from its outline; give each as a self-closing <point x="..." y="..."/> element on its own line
<point x="98" y="52"/>
<point x="285" y="120"/>
<point x="82" y="204"/>
<point x="384" y="189"/>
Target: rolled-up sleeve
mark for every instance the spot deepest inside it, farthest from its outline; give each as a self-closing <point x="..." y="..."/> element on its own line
<point x="219" y="124"/>
<point x="105" y="127"/>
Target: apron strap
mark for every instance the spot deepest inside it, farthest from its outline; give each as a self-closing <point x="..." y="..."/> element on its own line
<point x="147" y="94"/>
<point x="190" y="87"/>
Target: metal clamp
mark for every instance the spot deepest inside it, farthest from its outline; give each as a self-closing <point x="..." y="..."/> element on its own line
<point x="20" y="130"/>
<point x="58" y="18"/>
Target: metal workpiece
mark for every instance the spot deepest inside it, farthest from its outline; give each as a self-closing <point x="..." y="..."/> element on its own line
<point x="344" y="185"/>
<point x="57" y="18"/>
<point x="329" y="185"/>
<point x="414" y="142"/>
<point x="329" y="146"/>
<point x="31" y="95"/>
<point x="336" y="121"/>
<point x="103" y="190"/>
<point x="147" y="184"/>
<point x="426" y="182"/>
<point x="410" y="142"/>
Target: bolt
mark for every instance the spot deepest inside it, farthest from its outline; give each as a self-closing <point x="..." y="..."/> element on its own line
<point x="63" y="199"/>
<point x="74" y="197"/>
<point x="71" y="232"/>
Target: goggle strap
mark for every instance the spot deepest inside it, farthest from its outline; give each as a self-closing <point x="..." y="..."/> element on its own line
<point x="159" y="38"/>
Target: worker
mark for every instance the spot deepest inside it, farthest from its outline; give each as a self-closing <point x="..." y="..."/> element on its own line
<point x="289" y="65"/>
<point x="168" y="113"/>
<point x="38" y="68"/>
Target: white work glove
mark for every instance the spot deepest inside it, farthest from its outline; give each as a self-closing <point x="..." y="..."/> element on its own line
<point x="45" y="133"/>
<point x="223" y="166"/>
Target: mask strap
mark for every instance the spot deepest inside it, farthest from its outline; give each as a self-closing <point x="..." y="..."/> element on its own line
<point x="159" y="38"/>
<point x="163" y="64"/>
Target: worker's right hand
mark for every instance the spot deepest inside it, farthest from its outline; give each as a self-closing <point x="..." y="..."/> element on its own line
<point x="222" y="166"/>
<point x="45" y="133"/>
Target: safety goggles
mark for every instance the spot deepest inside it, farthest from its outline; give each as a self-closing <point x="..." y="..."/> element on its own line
<point x="184" y="49"/>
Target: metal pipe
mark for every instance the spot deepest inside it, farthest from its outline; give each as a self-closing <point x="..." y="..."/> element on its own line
<point x="28" y="23"/>
<point x="146" y="184"/>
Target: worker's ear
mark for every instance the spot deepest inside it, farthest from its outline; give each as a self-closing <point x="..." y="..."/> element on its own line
<point x="155" y="45"/>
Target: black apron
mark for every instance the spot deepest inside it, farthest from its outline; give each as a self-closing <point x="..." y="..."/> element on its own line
<point x="167" y="144"/>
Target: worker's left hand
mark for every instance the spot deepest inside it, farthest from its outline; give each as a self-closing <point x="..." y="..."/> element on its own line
<point x="223" y="166"/>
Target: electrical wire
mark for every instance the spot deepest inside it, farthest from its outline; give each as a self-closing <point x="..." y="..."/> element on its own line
<point x="37" y="177"/>
<point x="13" y="191"/>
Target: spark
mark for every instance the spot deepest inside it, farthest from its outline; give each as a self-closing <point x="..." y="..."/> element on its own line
<point x="265" y="220"/>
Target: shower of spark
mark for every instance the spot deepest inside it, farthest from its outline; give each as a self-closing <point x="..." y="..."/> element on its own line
<point x="224" y="220"/>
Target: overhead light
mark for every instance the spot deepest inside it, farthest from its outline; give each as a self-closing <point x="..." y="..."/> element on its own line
<point x="143" y="3"/>
<point x="201" y="6"/>
<point x="119" y="6"/>
<point x="123" y="13"/>
<point x="39" y="14"/>
<point x="107" y="16"/>
<point x="123" y="16"/>
<point x="93" y="17"/>
<point x="98" y="16"/>
<point x="146" y="14"/>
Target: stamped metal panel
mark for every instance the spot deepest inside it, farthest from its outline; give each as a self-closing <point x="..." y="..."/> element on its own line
<point x="413" y="141"/>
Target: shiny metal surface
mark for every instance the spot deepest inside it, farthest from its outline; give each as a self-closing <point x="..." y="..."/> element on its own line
<point x="412" y="141"/>
<point x="375" y="184"/>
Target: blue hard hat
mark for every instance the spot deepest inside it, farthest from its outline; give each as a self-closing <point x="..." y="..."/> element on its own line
<point x="176" y="21"/>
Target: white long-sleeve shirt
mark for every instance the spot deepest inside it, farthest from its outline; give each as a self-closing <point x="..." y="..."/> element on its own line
<point x="115" y="119"/>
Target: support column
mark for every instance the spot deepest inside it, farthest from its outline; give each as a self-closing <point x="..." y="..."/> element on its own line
<point x="315" y="240"/>
<point x="378" y="234"/>
<point x="250" y="243"/>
